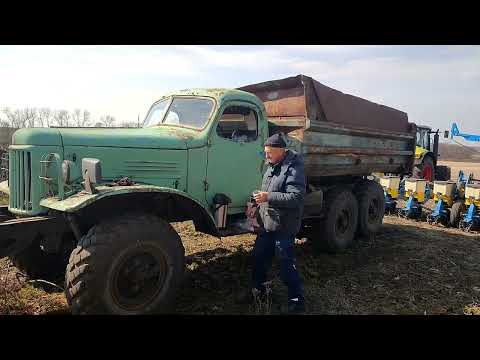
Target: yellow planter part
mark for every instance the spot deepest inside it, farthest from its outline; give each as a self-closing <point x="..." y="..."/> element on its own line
<point x="447" y="199"/>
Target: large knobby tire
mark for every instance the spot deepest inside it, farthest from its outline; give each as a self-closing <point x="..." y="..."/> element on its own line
<point x="371" y="207"/>
<point x="337" y="231"/>
<point x="128" y="265"/>
<point x="456" y="211"/>
<point x="442" y="173"/>
<point x="37" y="264"/>
<point x="426" y="169"/>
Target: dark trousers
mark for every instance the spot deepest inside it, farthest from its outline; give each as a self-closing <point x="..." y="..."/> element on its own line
<point x="276" y="244"/>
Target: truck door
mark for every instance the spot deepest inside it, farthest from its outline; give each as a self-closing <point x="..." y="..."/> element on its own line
<point x="235" y="156"/>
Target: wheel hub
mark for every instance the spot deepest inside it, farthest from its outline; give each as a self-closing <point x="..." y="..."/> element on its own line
<point x="138" y="279"/>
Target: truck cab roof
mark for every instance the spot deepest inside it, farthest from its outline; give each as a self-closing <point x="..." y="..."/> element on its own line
<point x="219" y="94"/>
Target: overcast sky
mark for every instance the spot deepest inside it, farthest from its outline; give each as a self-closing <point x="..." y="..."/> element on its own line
<point x="435" y="85"/>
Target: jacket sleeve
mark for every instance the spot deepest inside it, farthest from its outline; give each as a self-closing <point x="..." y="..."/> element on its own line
<point x="294" y="189"/>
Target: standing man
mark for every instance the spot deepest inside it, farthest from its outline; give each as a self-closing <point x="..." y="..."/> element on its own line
<point x="281" y="207"/>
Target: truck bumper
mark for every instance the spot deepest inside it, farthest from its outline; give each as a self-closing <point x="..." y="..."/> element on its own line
<point x="17" y="234"/>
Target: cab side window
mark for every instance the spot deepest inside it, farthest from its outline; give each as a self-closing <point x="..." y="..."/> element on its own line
<point x="238" y="123"/>
<point x="426" y="140"/>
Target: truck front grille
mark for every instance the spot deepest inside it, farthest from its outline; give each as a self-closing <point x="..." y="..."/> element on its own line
<point x="20" y="180"/>
<point x="3" y="165"/>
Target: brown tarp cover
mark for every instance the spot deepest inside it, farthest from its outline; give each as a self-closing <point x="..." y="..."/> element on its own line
<point x="303" y="96"/>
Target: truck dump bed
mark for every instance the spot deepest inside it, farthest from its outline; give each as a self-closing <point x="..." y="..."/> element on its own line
<point x="338" y="134"/>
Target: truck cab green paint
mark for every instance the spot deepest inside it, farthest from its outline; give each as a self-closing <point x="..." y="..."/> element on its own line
<point x="197" y="162"/>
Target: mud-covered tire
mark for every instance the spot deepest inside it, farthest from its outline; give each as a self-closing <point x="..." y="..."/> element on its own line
<point x="443" y="173"/>
<point x="132" y="264"/>
<point x="456" y="211"/>
<point x="37" y="264"/>
<point x="371" y="207"/>
<point x="337" y="231"/>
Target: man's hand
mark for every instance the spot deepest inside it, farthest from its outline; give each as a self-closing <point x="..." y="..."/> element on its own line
<point x="261" y="197"/>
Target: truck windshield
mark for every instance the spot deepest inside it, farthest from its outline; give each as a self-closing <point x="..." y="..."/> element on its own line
<point x="183" y="111"/>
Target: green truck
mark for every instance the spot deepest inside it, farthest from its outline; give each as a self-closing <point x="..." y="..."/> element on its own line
<point x="96" y="205"/>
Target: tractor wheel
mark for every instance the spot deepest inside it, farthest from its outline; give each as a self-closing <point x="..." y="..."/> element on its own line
<point x="456" y="211"/>
<point x="129" y="265"/>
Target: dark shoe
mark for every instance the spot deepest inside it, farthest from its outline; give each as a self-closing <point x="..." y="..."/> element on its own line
<point x="296" y="307"/>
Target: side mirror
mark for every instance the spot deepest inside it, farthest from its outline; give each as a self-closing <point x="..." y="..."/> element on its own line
<point x="446" y="134"/>
<point x="92" y="173"/>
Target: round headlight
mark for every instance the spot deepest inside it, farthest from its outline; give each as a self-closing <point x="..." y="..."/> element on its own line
<point x="66" y="171"/>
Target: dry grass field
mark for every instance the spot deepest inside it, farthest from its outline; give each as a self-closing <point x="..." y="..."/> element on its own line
<point x="409" y="268"/>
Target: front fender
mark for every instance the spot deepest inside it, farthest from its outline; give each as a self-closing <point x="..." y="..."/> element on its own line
<point x="83" y="199"/>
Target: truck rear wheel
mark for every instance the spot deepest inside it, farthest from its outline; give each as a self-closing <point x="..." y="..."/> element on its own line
<point x="456" y="213"/>
<point x="127" y="265"/>
<point x="336" y="232"/>
<point x="371" y="207"/>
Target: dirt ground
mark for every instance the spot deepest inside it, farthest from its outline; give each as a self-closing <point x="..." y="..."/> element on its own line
<point x="409" y="268"/>
<point x="467" y="167"/>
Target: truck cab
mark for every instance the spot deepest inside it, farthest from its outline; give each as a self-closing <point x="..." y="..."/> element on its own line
<point x="225" y="151"/>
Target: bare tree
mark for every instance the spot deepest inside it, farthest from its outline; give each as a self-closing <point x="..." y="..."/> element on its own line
<point x="107" y="120"/>
<point x="14" y="118"/>
<point x="29" y="116"/>
<point x="76" y="115"/>
<point x="18" y="119"/>
<point x="85" y="118"/>
<point x="44" y="116"/>
<point x="21" y="118"/>
<point x="81" y="119"/>
<point x="4" y="122"/>
<point x="61" y="118"/>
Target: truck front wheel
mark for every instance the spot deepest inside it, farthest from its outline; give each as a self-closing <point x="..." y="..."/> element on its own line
<point x="337" y="231"/>
<point x="131" y="264"/>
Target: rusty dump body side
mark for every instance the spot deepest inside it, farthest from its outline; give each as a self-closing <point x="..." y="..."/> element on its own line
<point x="338" y="134"/>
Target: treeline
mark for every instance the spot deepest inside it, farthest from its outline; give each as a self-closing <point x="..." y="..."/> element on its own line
<point x="47" y="117"/>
